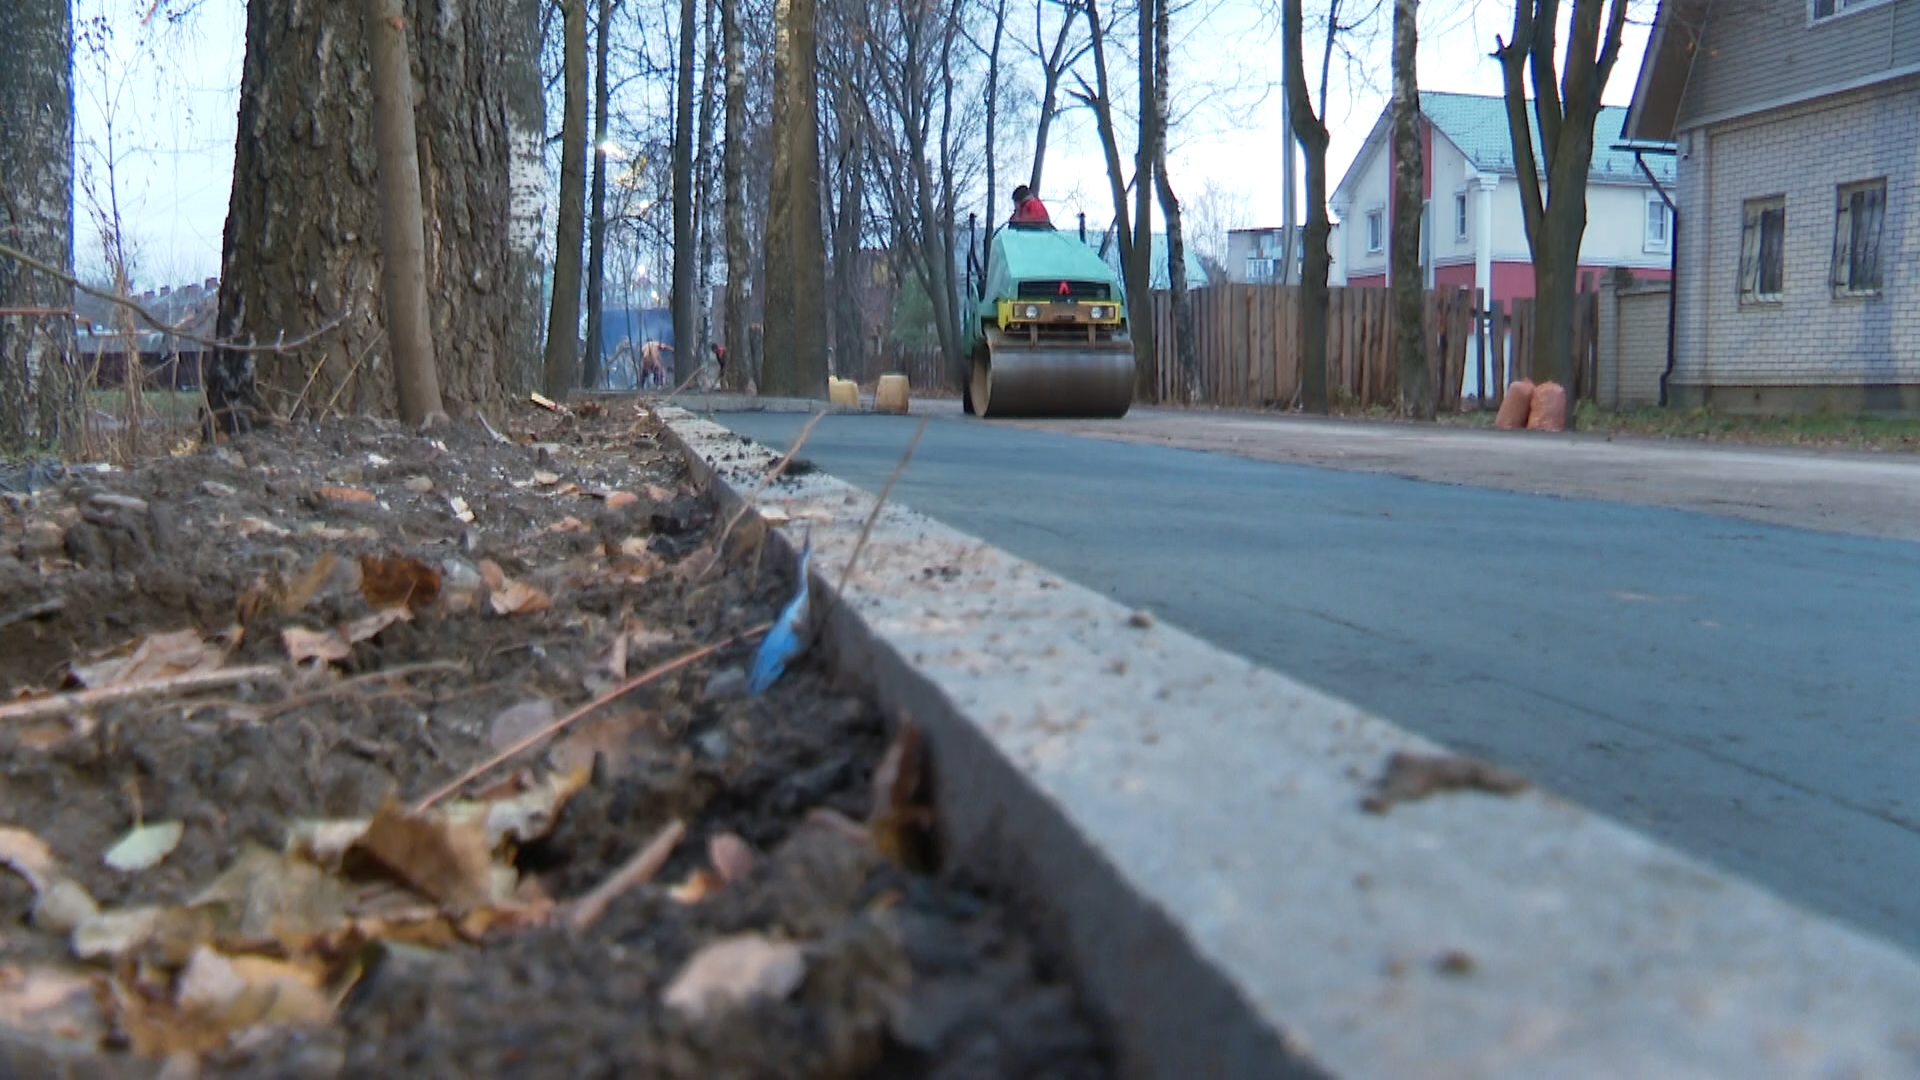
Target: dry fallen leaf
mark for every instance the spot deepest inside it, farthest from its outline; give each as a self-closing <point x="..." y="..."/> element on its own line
<point x="616" y="660"/>
<point x="253" y="526"/>
<point x="397" y="581"/>
<point x="899" y="823"/>
<point x="658" y="493"/>
<point x="52" y="1001"/>
<point x="369" y="626"/>
<point x="732" y="859"/>
<point x="448" y="861"/>
<point x="519" y="598"/>
<point x="144" y="846"/>
<point x="517" y="721"/>
<point x="492" y="576"/>
<point x="460" y="509"/>
<point x="569" y="524"/>
<point x="270" y="896"/>
<point x="342" y="493"/>
<point x="158" y="656"/>
<point x="699" y="885"/>
<point x="325" y="843"/>
<point x="29" y="856"/>
<point x="301" y="591"/>
<point x="543" y="478"/>
<point x="734" y="970"/>
<point x="523" y="817"/>
<point x="233" y="992"/>
<point x="324" y="645"/>
<point x="618" y="499"/>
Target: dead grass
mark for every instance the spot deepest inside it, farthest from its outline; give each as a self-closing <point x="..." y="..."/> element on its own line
<point x="1820" y="430"/>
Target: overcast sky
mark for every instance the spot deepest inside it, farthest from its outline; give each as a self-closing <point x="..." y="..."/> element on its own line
<point x="172" y="111"/>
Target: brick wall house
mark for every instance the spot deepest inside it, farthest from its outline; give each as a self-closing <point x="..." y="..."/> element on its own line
<point x="1796" y="127"/>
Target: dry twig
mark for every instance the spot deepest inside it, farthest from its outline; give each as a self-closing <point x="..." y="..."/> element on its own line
<point x="866" y="530"/>
<point x="746" y="504"/>
<point x="354" y="682"/>
<point x="33" y="611"/>
<point x="63" y="704"/>
<point x="557" y="726"/>
<point x="581" y="914"/>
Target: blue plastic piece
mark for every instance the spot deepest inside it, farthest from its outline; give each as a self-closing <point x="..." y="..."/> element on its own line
<point x="788" y="638"/>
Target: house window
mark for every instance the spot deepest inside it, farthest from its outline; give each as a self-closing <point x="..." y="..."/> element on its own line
<point x="1827" y="9"/>
<point x="1856" y="238"/>
<point x="1376" y="231"/>
<point x="1762" y="250"/>
<point x="1659" y="223"/>
<point x="1460" y="215"/>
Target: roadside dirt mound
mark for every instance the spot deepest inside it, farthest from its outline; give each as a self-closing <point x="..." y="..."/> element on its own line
<point x="238" y="675"/>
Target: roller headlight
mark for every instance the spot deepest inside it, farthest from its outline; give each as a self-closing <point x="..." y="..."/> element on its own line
<point x="1033" y="311"/>
<point x="1098" y="313"/>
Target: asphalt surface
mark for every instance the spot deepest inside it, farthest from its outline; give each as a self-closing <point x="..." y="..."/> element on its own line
<point x="1748" y="693"/>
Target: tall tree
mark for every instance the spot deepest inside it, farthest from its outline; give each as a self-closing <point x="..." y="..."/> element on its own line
<point x="1132" y="226"/>
<point x="300" y="251"/>
<point x="796" y="337"/>
<point x="1566" y="108"/>
<point x="1409" y="196"/>
<point x="403" y="245"/>
<point x="733" y="172"/>
<point x="563" y="318"/>
<point x="597" y="203"/>
<point x="703" y="215"/>
<point x="1192" y="391"/>
<point x="37" y="365"/>
<point x="1056" y="59"/>
<point x="686" y="358"/>
<point x="1310" y="131"/>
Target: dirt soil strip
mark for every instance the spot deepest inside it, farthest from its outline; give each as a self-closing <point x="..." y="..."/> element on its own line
<point x="400" y="606"/>
<point x="1251" y="878"/>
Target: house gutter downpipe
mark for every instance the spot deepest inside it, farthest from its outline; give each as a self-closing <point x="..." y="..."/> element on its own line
<point x="1673" y="256"/>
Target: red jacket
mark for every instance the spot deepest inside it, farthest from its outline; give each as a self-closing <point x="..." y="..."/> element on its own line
<point x="1031" y="212"/>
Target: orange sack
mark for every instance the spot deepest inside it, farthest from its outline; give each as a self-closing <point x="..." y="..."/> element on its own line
<point x="1514" y="408"/>
<point x="1549" y="411"/>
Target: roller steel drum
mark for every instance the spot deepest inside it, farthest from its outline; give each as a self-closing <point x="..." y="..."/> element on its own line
<point x="1053" y="380"/>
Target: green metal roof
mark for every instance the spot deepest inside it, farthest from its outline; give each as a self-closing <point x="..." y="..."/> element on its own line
<point x="1478" y="126"/>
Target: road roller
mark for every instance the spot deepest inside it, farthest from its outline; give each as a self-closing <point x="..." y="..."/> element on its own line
<point x="1047" y="334"/>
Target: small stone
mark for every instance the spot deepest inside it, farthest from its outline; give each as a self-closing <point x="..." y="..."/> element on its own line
<point x="713" y="744"/>
<point x="726" y="684"/>
<point x="419" y="485"/>
<point x="1140" y="619"/>
<point x="216" y="489"/>
<point x="119" y="502"/>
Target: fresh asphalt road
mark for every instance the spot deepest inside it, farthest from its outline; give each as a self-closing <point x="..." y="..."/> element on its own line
<point x="1748" y="693"/>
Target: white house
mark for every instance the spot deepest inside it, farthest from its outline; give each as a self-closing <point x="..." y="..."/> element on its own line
<point x="1258" y="256"/>
<point x="1474" y="235"/>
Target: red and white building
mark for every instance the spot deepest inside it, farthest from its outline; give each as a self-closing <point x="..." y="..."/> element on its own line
<point x="1474" y="235"/>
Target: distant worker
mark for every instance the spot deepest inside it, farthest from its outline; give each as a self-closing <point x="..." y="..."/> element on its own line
<point x="1028" y="209"/>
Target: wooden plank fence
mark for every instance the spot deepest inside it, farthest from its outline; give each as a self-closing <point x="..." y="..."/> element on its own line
<point x="1248" y="342"/>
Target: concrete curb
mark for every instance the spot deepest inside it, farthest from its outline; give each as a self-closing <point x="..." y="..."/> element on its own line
<point x="1239" y="918"/>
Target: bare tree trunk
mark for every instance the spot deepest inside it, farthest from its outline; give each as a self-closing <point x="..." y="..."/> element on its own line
<point x="41" y="385"/>
<point x="1409" y="173"/>
<point x="301" y="238"/>
<point x="703" y="216"/>
<point x="1192" y="391"/>
<point x="733" y="169"/>
<point x="685" y="360"/>
<point x="597" y="227"/>
<point x="993" y="108"/>
<point x="796" y="337"/>
<point x="1556" y="218"/>
<point x="1053" y="67"/>
<point x="525" y="109"/>
<point x="403" y="236"/>
<point x="1146" y="355"/>
<point x="563" y="319"/>
<point x="1310" y="131"/>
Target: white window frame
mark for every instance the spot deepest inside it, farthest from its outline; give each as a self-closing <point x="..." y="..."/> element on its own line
<point x="1754" y="213"/>
<point x="1840" y="9"/>
<point x="1376" y="230"/>
<point x="1848" y="237"/>
<point x="1657" y="228"/>
<point x="1460" y="215"/>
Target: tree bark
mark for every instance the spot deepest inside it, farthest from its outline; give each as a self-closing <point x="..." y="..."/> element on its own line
<point x="1409" y="173"/>
<point x="1310" y="131"/>
<point x="795" y="364"/>
<point x="301" y="245"/>
<point x="1146" y="356"/>
<point x="703" y="216"/>
<point x="597" y="202"/>
<point x="41" y="384"/>
<point x="1556" y="218"/>
<point x="563" y="317"/>
<point x="1192" y="391"/>
<point x="403" y="235"/>
<point x="733" y="168"/>
<point x="685" y="253"/>
<point x="523" y="296"/>
<point x="1132" y="231"/>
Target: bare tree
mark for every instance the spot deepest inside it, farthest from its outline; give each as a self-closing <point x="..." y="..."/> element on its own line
<point x="1057" y="57"/>
<point x="597" y="203"/>
<point x="704" y="218"/>
<point x="796" y="335"/>
<point x="1310" y="131"/>
<point x="563" y="319"/>
<point x="1566" y="107"/>
<point x="298" y="252"/>
<point x="1192" y="391"/>
<point x="686" y="361"/>
<point x="1207" y="215"/>
<point x="1409" y="172"/>
<point x="36" y="215"/>
<point x="1132" y="227"/>
<point x="733" y="170"/>
<point x="403" y="236"/>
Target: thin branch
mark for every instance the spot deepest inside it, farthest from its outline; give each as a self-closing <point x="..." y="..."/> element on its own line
<point x="581" y="914"/>
<point x="279" y="346"/>
<point x="63" y="704"/>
